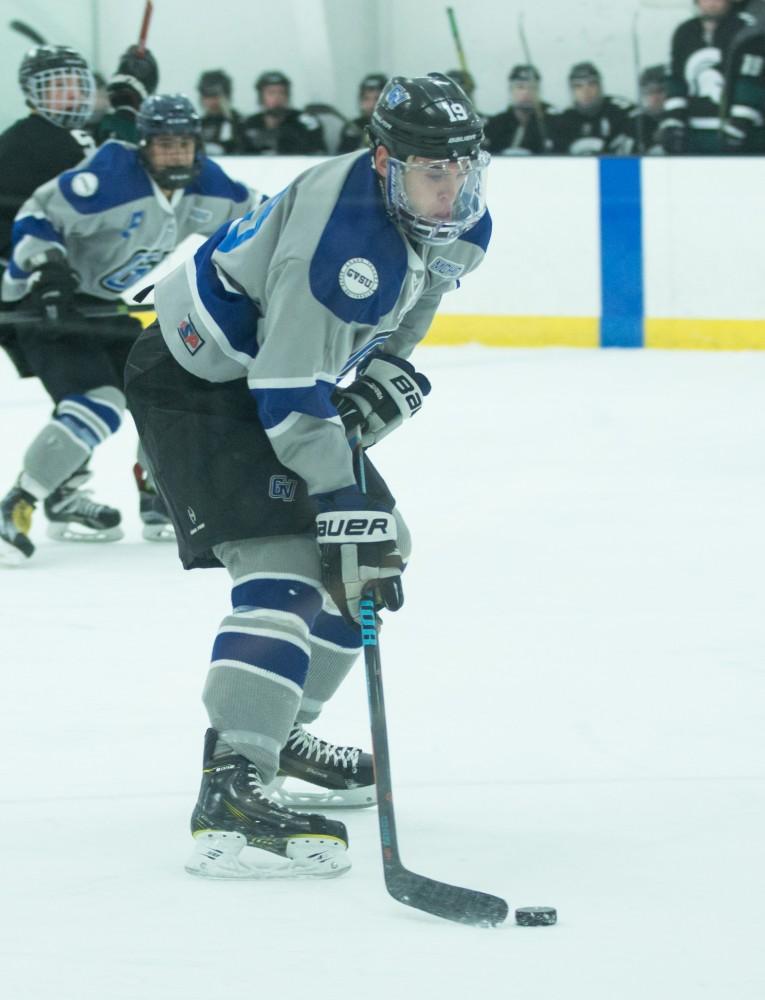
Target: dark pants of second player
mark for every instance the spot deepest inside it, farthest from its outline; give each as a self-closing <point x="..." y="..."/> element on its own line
<point x="211" y="459"/>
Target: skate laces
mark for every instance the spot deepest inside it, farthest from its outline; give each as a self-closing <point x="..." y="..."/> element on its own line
<point x="308" y="746"/>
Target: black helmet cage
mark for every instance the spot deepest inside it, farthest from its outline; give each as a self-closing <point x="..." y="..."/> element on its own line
<point x="170" y="114"/>
<point x="429" y="116"/>
<point x="43" y="67"/>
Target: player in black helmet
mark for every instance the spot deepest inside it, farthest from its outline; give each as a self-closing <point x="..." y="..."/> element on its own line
<point x="221" y="123"/>
<point x="596" y="123"/>
<point x="353" y="135"/>
<point x="59" y="90"/>
<point x="136" y="78"/>
<point x="80" y="241"/>
<point x="525" y="128"/>
<point x="646" y="119"/>
<point x="279" y="128"/>
<point x="343" y="270"/>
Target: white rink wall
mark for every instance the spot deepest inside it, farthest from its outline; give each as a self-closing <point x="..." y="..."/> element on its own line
<point x="700" y="266"/>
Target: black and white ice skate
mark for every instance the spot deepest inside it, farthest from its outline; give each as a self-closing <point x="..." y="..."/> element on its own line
<point x="16" y="510"/>
<point x="157" y="526"/>
<point x="233" y="813"/>
<point x="341" y="777"/>
<point x="74" y="517"/>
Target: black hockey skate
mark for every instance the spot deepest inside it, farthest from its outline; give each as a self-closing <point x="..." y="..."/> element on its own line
<point x="233" y="811"/>
<point x="345" y="774"/>
<point x="16" y="510"/>
<point x="74" y="517"/>
<point x="157" y="526"/>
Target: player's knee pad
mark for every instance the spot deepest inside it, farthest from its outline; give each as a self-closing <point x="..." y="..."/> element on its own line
<point x="92" y="416"/>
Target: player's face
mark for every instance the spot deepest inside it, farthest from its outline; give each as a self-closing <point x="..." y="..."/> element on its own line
<point x="713" y="8"/>
<point x="433" y="186"/>
<point x="585" y="93"/>
<point x="367" y="102"/>
<point x="274" y="95"/>
<point x="524" y="93"/>
<point x="212" y="103"/>
<point x="64" y="92"/>
<point x="652" y="99"/>
<point x="171" y="151"/>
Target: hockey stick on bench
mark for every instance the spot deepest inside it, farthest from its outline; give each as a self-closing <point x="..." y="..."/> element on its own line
<point x="452" y="902"/>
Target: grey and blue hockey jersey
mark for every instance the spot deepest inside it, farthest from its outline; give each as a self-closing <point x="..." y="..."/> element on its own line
<point x="296" y="293"/>
<point x="113" y="223"/>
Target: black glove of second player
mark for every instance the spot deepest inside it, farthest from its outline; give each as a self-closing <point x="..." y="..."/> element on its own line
<point x="387" y="392"/>
<point x="358" y="548"/>
<point x="53" y="292"/>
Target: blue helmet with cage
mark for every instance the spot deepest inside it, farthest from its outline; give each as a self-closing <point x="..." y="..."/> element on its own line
<point x="168" y="115"/>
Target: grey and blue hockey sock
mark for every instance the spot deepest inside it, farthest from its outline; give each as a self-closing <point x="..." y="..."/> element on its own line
<point x="79" y="423"/>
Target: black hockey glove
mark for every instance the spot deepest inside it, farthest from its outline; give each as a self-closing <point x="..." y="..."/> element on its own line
<point x="387" y="392"/>
<point x="358" y="547"/>
<point x="53" y="292"/>
<point x="674" y="138"/>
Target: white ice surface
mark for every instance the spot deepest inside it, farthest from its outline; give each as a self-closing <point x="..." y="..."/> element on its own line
<point x="575" y="699"/>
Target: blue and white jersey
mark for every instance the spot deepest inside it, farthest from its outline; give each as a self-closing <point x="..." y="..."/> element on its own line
<point x="113" y="223"/>
<point x="296" y="293"/>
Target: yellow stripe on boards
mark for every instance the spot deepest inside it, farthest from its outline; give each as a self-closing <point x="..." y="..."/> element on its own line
<point x="705" y="334"/>
<point x="514" y="331"/>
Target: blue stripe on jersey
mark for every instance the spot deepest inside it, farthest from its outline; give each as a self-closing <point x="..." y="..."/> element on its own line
<point x="359" y="355"/>
<point x="235" y="313"/>
<point x="335" y="629"/>
<point x="214" y="182"/>
<point x="294" y="596"/>
<point x="359" y="227"/>
<point x="275" y="405"/>
<point x="38" y="229"/>
<point x="120" y="175"/>
<point x="275" y="655"/>
<point x="479" y="234"/>
<point x="241" y="230"/>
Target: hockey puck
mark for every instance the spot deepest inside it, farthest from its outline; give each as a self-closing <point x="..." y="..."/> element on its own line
<point x="536" y="916"/>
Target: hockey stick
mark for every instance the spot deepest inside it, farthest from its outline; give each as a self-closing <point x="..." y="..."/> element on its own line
<point x="636" y="59"/>
<point x="538" y="109"/>
<point x="30" y="318"/>
<point x="452" y="902"/>
<point x="457" y="41"/>
<point x="144" y="32"/>
<point x="28" y="32"/>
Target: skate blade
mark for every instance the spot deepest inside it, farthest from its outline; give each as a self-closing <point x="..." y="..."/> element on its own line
<point x="63" y="531"/>
<point x="221" y="854"/>
<point x="10" y="555"/>
<point x="158" y="532"/>
<point x="326" y="798"/>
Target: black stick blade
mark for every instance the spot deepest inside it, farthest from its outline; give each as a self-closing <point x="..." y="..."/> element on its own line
<point x="464" y="906"/>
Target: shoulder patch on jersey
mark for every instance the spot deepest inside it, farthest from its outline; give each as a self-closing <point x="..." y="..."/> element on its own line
<point x="360" y="238"/>
<point x="85" y="184"/>
<point x="309" y="120"/>
<point x="114" y="176"/>
<point x="446" y="268"/>
<point x="480" y="234"/>
<point x="358" y="278"/>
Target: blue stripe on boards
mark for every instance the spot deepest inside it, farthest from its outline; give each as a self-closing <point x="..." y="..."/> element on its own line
<point x="277" y="656"/>
<point x="621" y="252"/>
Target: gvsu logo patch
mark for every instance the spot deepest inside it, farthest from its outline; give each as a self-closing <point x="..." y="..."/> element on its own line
<point x="358" y="278"/>
<point x="189" y="334"/>
<point x="446" y="268"/>
<point x="282" y="488"/>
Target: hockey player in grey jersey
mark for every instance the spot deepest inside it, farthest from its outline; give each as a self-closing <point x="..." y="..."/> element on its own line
<point x="235" y="394"/>
<point x="84" y="238"/>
